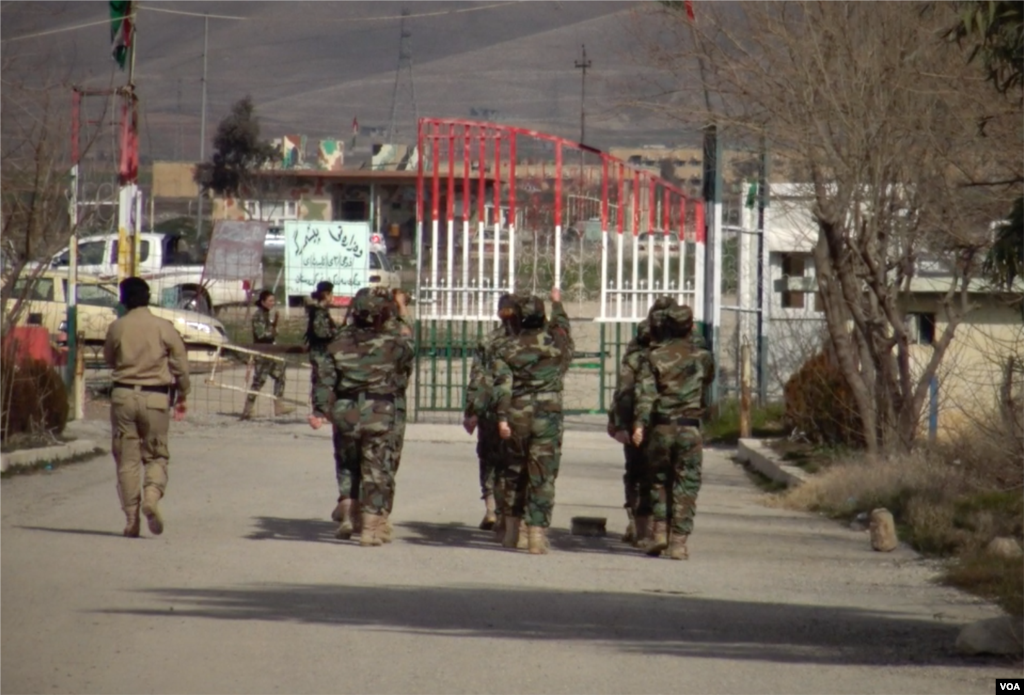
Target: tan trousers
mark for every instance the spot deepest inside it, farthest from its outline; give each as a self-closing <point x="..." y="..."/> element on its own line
<point x="139" y="423"/>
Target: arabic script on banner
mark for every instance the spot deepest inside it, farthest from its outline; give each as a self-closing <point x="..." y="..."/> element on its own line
<point x="335" y="251"/>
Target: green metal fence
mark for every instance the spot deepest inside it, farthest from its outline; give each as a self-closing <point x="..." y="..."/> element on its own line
<point x="444" y="350"/>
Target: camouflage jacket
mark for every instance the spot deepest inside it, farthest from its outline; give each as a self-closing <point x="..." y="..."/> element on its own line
<point x="480" y="391"/>
<point x="532" y="362"/>
<point x="622" y="413"/>
<point x="320" y="328"/>
<point x="362" y="361"/>
<point x="263" y="329"/>
<point x="672" y="381"/>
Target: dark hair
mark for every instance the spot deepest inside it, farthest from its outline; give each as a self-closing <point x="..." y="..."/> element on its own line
<point x="134" y="293"/>
<point x="263" y="296"/>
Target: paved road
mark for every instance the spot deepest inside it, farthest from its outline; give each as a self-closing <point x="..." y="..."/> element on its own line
<point x="247" y="591"/>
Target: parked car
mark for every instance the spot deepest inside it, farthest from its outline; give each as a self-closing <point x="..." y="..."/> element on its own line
<point x="174" y="272"/>
<point x="97" y="301"/>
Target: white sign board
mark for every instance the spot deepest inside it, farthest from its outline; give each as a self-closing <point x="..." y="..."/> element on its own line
<point x="335" y="251"/>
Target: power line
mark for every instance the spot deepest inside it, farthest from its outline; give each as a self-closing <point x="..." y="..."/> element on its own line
<point x="319" y="20"/>
<point x="439" y="13"/>
<point x="65" y="29"/>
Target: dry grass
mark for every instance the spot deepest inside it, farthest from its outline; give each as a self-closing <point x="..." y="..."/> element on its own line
<point x="949" y="500"/>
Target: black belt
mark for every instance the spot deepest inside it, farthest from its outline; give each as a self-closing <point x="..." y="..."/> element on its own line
<point x="139" y="387"/>
<point x="680" y="421"/>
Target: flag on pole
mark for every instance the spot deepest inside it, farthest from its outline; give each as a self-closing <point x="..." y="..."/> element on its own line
<point x="355" y="131"/>
<point x="120" y="30"/>
<point x="128" y="165"/>
<point x="688" y="4"/>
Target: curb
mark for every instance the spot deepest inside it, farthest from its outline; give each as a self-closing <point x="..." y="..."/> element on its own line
<point x="55" y="454"/>
<point x="766" y="462"/>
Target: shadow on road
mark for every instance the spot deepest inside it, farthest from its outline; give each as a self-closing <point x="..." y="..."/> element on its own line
<point x="643" y="623"/>
<point x="461" y="535"/>
<point x="308" y="530"/>
<point x="76" y="531"/>
<point x="452" y="534"/>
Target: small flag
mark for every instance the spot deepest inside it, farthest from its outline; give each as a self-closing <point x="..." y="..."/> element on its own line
<point x="688" y="4"/>
<point x="128" y="166"/>
<point x="355" y="126"/>
<point x="752" y="195"/>
<point x="120" y="30"/>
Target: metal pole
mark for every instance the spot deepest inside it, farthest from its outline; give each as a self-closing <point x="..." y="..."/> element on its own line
<point x="745" y="429"/>
<point x="762" y="277"/>
<point x="202" y="130"/>
<point x="583" y="65"/>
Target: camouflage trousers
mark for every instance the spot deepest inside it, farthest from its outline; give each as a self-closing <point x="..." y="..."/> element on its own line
<point x="365" y="426"/>
<point x="526" y="473"/>
<point x="675" y="457"/>
<point x="317" y="358"/>
<point x="488" y="453"/>
<point x="347" y="463"/>
<point x="636" y="480"/>
<point x="267" y="367"/>
<point x="397" y="444"/>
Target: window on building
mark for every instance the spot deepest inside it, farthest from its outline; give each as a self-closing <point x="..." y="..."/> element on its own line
<point x="792" y="267"/>
<point x="921" y="328"/>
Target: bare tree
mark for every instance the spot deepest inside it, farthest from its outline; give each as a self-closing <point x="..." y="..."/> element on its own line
<point x="879" y="116"/>
<point x="35" y="180"/>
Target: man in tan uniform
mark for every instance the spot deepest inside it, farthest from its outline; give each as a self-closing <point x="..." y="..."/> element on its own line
<point x="149" y="362"/>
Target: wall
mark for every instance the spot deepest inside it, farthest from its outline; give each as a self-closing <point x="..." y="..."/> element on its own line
<point x="972" y="372"/>
<point x="313" y="198"/>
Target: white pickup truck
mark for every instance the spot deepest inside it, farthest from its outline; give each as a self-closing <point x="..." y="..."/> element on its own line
<point x="174" y="273"/>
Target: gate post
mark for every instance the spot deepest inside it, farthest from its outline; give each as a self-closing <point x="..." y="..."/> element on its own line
<point x="713" y="278"/>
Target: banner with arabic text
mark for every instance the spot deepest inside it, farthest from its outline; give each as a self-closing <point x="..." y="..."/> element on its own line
<point x="335" y="251"/>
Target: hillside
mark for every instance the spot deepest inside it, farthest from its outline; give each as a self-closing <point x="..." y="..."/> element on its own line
<point x="311" y="67"/>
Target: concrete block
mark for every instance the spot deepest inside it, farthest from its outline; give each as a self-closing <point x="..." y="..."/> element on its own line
<point x="55" y="454"/>
<point x="759" y="455"/>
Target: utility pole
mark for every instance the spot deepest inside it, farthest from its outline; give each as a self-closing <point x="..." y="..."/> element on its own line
<point x="202" y="130"/>
<point x="129" y="204"/>
<point x="583" y="64"/>
<point x="404" y="61"/>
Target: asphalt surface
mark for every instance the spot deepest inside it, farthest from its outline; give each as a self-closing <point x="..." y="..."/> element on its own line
<point x="247" y="590"/>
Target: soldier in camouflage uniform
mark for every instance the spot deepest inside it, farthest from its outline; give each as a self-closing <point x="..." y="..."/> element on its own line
<point x="669" y="407"/>
<point x="479" y="413"/>
<point x="346" y="452"/>
<point x="529" y="369"/>
<point x="264" y="332"/>
<point x="621" y="417"/>
<point x="320" y="327"/>
<point x="366" y="361"/>
<point x="398" y="324"/>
